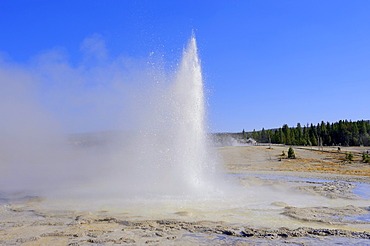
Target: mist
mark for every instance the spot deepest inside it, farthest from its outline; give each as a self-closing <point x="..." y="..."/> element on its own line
<point x="103" y="127"/>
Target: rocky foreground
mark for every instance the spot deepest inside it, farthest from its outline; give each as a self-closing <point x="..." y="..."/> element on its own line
<point x="24" y="226"/>
<point x="340" y="213"/>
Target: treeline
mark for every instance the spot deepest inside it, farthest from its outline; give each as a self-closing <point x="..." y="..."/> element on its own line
<point x="345" y="133"/>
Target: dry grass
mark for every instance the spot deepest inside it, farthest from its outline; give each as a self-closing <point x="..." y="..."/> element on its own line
<point x="331" y="162"/>
<point x="260" y="158"/>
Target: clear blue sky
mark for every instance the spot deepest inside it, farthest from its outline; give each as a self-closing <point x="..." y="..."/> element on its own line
<point x="265" y="63"/>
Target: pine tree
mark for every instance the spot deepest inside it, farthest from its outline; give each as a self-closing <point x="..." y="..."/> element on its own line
<point x="286" y="132"/>
<point x="291" y="153"/>
<point x="299" y="135"/>
<point x="263" y="135"/>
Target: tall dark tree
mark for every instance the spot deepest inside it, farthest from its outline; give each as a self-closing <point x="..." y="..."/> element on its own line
<point x="299" y="135"/>
<point x="339" y="133"/>
<point x="286" y="134"/>
<point x="244" y="135"/>
<point x="264" y="137"/>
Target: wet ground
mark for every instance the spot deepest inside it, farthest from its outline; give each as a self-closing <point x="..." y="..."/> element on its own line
<point x="277" y="203"/>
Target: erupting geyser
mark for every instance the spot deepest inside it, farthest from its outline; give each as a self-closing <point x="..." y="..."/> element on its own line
<point x="176" y="158"/>
<point x="165" y="152"/>
<point x="170" y="154"/>
<point x="190" y="150"/>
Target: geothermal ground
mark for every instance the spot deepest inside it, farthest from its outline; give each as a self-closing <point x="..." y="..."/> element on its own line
<point x="316" y="199"/>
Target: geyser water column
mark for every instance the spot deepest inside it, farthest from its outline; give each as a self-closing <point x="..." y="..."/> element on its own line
<point x="191" y="149"/>
<point x="171" y="156"/>
<point x="180" y="155"/>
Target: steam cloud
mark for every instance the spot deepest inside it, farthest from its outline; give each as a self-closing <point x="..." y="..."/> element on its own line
<point x="49" y="97"/>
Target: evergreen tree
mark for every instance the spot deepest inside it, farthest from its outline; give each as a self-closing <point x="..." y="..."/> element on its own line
<point x="282" y="136"/>
<point x="306" y="137"/>
<point x="313" y="135"/>
<point x="299" y="135"/>
<point x="276" y="137"/>
<point x="286" y="133"/>
<point x="291" y="153"/>
<point x="339" y="133"/>
<point x="254" y="135"/>
<point x="264" y="137"/>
